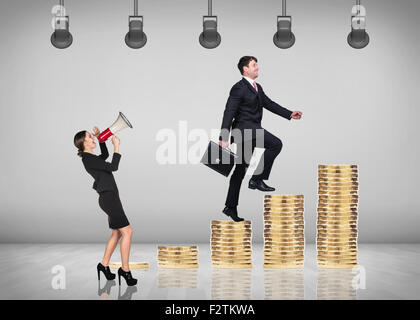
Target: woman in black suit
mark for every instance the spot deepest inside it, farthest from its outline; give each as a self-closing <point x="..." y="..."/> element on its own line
<point x="109" y="200"/>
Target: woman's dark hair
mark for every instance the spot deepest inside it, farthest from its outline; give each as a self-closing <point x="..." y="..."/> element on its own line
<point x="244" y="62"/>
<point x="79" y="138"/>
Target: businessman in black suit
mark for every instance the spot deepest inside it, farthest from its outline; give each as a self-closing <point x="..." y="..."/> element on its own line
<point x="245" y="108"/>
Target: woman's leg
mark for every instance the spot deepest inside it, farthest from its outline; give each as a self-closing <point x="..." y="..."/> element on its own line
<point x="126" y="234"/>
<point x="110" y="246"/>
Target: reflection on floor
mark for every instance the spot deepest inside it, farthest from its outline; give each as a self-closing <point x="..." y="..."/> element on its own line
<point x="68" y="271"/>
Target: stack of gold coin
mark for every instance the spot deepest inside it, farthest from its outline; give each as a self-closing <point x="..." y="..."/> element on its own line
<point x="283" y="231"/>
<point x="337" y="216"/>
<point x="231" y="244"/>
<point x="178" y="257"/>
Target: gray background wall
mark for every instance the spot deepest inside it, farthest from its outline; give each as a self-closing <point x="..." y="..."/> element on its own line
<point x="359" y="107"/>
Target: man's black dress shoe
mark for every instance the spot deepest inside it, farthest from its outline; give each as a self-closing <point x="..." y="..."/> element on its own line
<point x="260" y="185"/>
<point x="233" y="213"/>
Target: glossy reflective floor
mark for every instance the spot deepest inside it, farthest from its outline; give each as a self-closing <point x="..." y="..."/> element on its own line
<point x="36" y="271"/>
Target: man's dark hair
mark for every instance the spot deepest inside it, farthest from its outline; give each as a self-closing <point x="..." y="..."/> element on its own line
<point x="244" y="62"/>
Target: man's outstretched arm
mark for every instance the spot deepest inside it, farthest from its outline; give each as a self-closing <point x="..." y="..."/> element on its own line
<point x="275" y="107"/>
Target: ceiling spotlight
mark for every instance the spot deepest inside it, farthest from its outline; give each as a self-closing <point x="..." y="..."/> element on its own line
<point x="210" y="38"/>
<point x="135" y="37"/>
<point x="61" y="37"/>
<point x="358" y="37"/>
<point x="284" y="37"/>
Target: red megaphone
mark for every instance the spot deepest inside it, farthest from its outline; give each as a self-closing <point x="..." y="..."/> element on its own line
<point x="121" y="123"/>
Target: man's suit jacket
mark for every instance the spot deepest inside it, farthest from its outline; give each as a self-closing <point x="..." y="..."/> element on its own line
<point x="101" y="170"/>
<point x="245" y="106"/>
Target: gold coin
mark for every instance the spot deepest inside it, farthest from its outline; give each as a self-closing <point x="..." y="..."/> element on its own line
<point x="331" y="201"/>
<point x="277" y="258"/>
<point x="341" y="222"/>
<point x="231" y="229"/>
<point x="131" y="265"/>
<point x="276" y="242"/>
<point x="286" y="247"/>
<point x="287" y="229"/>
<point x="178" y="253"/>
<point x="284" y="232"/>
<point x="178" y="266"/>
<point x="280" y="214"/>
<point x="335" y="216"/>
<point x="283" y="213"/>
<point x="232" y="223"/>
<point x="269" y="217"/>
<point x="297" y="206"/>
<point x="334" y="256"/>
<point x="270" y="248"/>
<point x="166" y="262"/>
<point x="282" y="235"/>
<point x="337" y="210"/>
<point x="341" y="206"/>
<point x="283" y="266"/>
<point x="343" y="192"/>
<point x="343" y="197"/>
<point x="230" y="260"/>
<point x="337" y="249"/>
<point x="232" y="266"/>
<point x="163" y="257"/>
<point x="342" y="244"/>
<point x="285" y="203"/>
<point x="339" y="172"/>
<point x="230" y="241"/>
<point x="336" y="239"/>
<point x="283" y="196"/>
<point x="337" y="179"/>
<point x="283" y="255"/>
<point x="243" y="234"/>
<point x="238" y="226"/>
<point x="337" y="259"/>
<point x="282" y="238"/>
<point x="338" y="183"/>
<point x="332" y="227"/>
<point x="336" y="246"/>
<point x="342" y="188"/>
<point x="342" y="234"/>
<point x="337" y="166"/>
<point x="336" y="253"/>
<point x="234" y="247"/>
<point x="344" y="221"/>
<point x="231" y="247"/>
<point x="177" y="248"/>
<point x="235" y="238"/>
<point x="286" y="262"/>
<point x="290" y="256"/>
<point x="277" y="225"/>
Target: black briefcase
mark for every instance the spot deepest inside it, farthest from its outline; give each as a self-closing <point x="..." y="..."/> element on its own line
<point x="219" y="159"/>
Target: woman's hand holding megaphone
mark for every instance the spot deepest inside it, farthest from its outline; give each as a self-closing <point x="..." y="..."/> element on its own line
<point x="115" y="140"/>
<point x="96" y="131"/>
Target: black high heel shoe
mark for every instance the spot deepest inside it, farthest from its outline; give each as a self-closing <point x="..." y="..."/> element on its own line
<point x="107" y="272"/>
<point x="127" y="276"/>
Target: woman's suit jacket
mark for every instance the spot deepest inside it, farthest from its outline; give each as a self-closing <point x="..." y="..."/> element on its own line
<point x="101" y="170"/>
